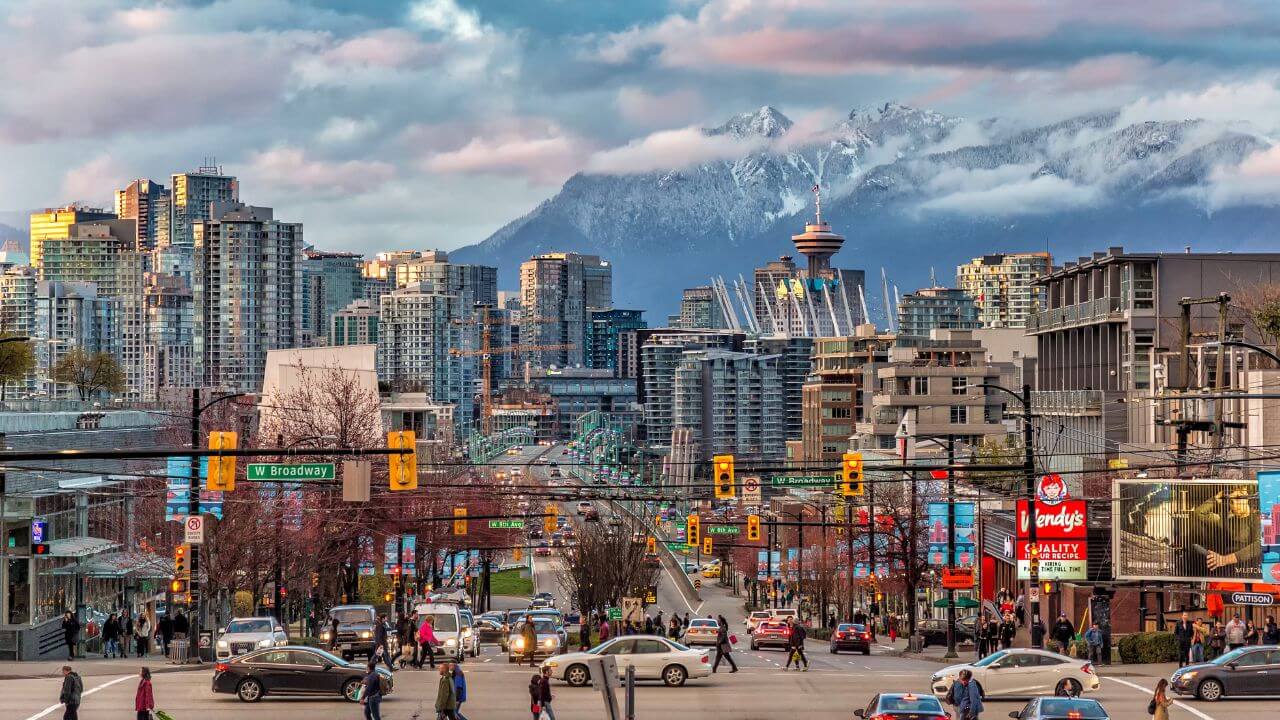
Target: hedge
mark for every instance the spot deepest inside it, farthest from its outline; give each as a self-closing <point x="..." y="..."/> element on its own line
<point x="1148" y="647"/>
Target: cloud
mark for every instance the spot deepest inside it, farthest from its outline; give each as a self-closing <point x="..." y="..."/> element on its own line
<point x="1044" y="194"/>
<point x="1255" y="181"/>
<point x="389" y="48"/>
<point x="543" y="155"/>
<point x="1256" y="100"/>
<point x="289" y="168"/>
<point x="641" y="107"/>
<point x="94" y="180"/>
<point x="671" y="149"/>
<point x="447" y="17"/>
<point x="342" y="130"/>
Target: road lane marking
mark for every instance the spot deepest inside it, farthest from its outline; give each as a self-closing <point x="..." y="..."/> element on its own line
<point x="84" y="694"/>
<point x="1179" y="703"/>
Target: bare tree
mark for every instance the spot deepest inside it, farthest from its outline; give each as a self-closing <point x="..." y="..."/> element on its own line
<point x="603" y="567"/>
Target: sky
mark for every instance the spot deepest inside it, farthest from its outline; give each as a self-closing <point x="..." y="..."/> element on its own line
<point x="385" y="124"/>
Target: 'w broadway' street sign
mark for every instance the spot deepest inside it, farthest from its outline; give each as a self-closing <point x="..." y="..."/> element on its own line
<point x="276" y="471"/>
<point x="803" y="480"/>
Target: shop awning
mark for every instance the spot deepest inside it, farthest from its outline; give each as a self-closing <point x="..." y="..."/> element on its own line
<point x="961" y="602"/>
<point x="130" y="565"/>
<point x="79" y="547"/>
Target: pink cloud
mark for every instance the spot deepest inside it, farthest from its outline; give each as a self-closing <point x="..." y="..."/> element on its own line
<point x="1103" y="72"/>
<point x="94" y="180"/>
<point x="290" y="168"/>
<point x="390" y="48"/>
<point x="1255" y="181"/>
<point x="640" y="107"/>
<point x="542" y="157"/>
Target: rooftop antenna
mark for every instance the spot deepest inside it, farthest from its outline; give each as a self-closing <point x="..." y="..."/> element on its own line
<point x="817" y="197"/>
<point x="933" y="278"/>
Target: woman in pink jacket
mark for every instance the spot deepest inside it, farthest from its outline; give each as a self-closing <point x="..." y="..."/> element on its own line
<point x="143" y="701"/>
<point x="427" y="641"/>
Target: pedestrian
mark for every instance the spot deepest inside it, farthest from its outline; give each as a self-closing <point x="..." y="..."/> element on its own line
<point x="446" y="694"/>
<point x="859" y="617"/>
<point x="142" y="635"/>
<point x="72" y="688"/>
<point x="427" y="642"/>
<point x="70" y="633"/>
<point x="980" y="630"/>
<point x="724" y="646"/>
<point x="181" y="625"/>
<point x="111" y="637"/>
<point x="604" y="629"/>
<point x="1183" y="631"/>
<point x="674" y="633"/>
<point x="1251" y="633"/>
<point x="126" y="632"/>
<point x="970" y="696"/>
<point x="529" y="634"/>
<point x="540" y="695"/>
<point x="166" y="633"/>
<point x="1235" y="633"/>
<point x="658" y="623"/>
<point x="143" y="701"/>
<point x="333" y="632"/>
<point x="1199" y="637"/>
<point x="993" y="633"/>
<point x="1217" y="641"/>
<point x="371" y="692"/>
<point x="1007" y="630"/>
<point x="1020" y="611"/>
<point x="1271" y="632"/>
<point x="648" y="625"/>
<point x="406" y="632"/>
<point x="795" y="645"/>
<point x="1158" y="708"/>
<point x="1093" y="638"/>
<point x="381" y="646"/>
<point x="954" y="695"/>
<point x="460" y="691"/>
<point x="1064" y="632"/>
<point x="1037" y="632"/>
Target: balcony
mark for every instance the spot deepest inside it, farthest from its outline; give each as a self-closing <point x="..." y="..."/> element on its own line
<point x="1104" y="309"/>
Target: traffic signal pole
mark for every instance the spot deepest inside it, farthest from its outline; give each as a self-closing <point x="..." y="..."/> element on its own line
<point x="1029" y="460"/>
<point x="951" y="547"/>
<point x="193" y="510"/>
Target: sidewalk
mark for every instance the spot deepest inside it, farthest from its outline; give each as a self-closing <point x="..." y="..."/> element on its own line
<point x="92" y="666"/>
<point x="934" y="653"/>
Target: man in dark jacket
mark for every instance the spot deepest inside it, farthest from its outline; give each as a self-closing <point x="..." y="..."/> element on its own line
<point x="70" y="633"/>
<point x="126" y="631"/>
<point x="181" y="625"/>
<point x="980" y="640"/>
<point x="111" y="637"/>
<point x="1271" y="632"/>
<point x="1182" y="631"/>
<point x="1064" y="632"/>
<point x="795" y="645"/>
<point x="380" y="641"/>
<point x="1037" y="632"/>
<point x="72" y="688"/>
<point x="166" y="633"/>
<point x="1007" y="630"/>
<point x="406" y="633"/>
<point x="540" y="692"/>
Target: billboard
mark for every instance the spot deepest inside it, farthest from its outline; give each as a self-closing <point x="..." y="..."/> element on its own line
<point x="178" y="493"/>
<point x="1062" y="534"/>
<point x="1186" y="530"/>
<point x="1269" y="524"/>
<point x="965" y="542"/>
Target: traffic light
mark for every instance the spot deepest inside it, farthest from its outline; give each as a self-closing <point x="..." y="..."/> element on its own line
<point x="753" y="527"/>
<point x="651" y="546"/>
<point x="723" y="465"/>
<point x="177" y="587"/>
<point x="403" y="466"/>
<point x="388" y="597"/>
<point x="851" y="475"/>
<point x="459" y="521"/>
<point x="691" y="530"/>
<point x="706" y="545"/>
<point x="517" y="555"/>
<point x="222" y="468"/>
<point x="40" y="549"/>
<point x="549" y="518"/>
<point x="181" y="557"/>
<point x="315" y="579"/>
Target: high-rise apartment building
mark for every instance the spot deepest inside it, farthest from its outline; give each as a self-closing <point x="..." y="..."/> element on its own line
<point x="1003" y="286"/>
<point x="730" y="403"/>
<point x="701" y="309"/>
<point x="604" y="330"/>
<point x="247" y="292"/>
<point x="146" y="202"/>
<point x="794" y="362"/>
<point x="928" y="309"/>
<point x="660" y="352"/>
<point x="834" y="395"/>
<point x="355" y="324"/>
<point x="330" y="282"/>
<point x="55" y="223"/>
<point x="170" y="319"/>
<point x="17" y="315"/>
<point x="70" y="316"/>
<point x="478" y="284"/>
<point x="191" y="197"/>
<point x="556" y="291"/>
<point x="420" y="328"/>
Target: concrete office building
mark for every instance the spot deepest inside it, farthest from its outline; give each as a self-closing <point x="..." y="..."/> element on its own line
<point x="330" y="282"/>
<point x="936" y="308"/>
<point x="190" y="198"/>
<point x="247" y="292"/>
<point x="834" y="394"/>
<point x="730" y="403"/>
<point x="701" y="309"/>
<point x="355" y="324"/>
<point x="1003" y="286"/>
<point x="419" y="328"/>
<point x="146" y="202"/>
<point x="604" y="330"/>
<point x="55" y="224"/>
<point x="556" y="292"/>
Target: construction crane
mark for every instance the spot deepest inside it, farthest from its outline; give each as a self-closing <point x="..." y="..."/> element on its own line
<point x="486" y="353"/>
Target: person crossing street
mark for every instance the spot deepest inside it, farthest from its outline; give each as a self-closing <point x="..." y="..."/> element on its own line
<point x="795" y="645"/>
<point x="724" y="648"/>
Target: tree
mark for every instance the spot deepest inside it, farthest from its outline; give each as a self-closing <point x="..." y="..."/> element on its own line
<point x="604" y="567"/>
<point x="90" y="373"/>
<point x="17" y="361"/>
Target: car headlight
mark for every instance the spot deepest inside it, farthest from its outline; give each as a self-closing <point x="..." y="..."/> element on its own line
<point x="549" y="663"/>
<point x="266" y="643"/>
<point x="324" y="635"/>
<point x="1188" y="675"/>
<point x="551" y="642"/>
<point x="365" y="634"/>
<point x="450" y="642"/>
<point x="466" y="633"/>
<point x="222" y="644"/>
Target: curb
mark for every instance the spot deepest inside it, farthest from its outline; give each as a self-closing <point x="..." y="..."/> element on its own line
<point x="154" y="671"/>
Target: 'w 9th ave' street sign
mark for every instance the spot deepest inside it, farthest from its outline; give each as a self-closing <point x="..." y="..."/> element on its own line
<point x="278" y="471"/>
<point x="506" y="524"/>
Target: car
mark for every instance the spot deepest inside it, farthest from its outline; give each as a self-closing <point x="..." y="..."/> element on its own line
<point x="850" y="636"/>
<point x="535" y="534"/>
<point x="543" y="599"/>
<point x="1251" y="670"/>
<point x="542" y="550"/>
<point x="470" y="638"/>
<point x="1061" y="708"/>
<point x="446" y="623"/>
<point x="555" y="616"/>
<point x="547" y="636"/>
<point x="1022" y="672"/>
<point x="710" y="571"/>
<point x="489" y="630"/>
<point x="292" y="670"/>
<point x="771" y="633"/>
<point x="615" y="520"/>
<point x="885" y="706"/>
<point x="689" y="565"/>
<point x="243" y="635"/>
<point x="701" y="631"/>
<point x="652" y="656"/>
<point x="934" y="630"/>
<point x="584" y="507"/>
<point x="755" y="618"/>
<point x="355" y="630"/>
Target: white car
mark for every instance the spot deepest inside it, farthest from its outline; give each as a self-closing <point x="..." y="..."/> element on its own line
<point x="653" y="657"/>
<point x="584" y="507"/>
<point x="243" y="635"/>
<point x="702" y="631"/>
<point x="446" y="624"/>
<point x="1022" y="672"/>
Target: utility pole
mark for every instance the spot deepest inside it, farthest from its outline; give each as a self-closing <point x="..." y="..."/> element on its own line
<point x="1029" y="464"/>
<point x="951" y="546"/>
<point x="193" y="510"/>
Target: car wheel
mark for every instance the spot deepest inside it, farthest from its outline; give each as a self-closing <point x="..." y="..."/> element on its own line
<point x="1068" y="688"/>
<point x="348" y="656"/>
<point x="249" y="690"/>
<point x="674" y="675"/>
<point x="1209" y="690"/>
<point x="351" y="690"/>
<point x="577" y="675"/>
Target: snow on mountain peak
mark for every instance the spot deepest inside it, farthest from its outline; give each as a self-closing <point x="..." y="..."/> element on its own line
<point x="766" y="122"/>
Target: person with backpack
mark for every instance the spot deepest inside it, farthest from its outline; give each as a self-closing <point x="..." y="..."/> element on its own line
<point x="724" y="648"/>
<point x="970" y="697"/>
<point x="540" y="695"/>
<point x="1158" y="708"/>
<point x="144" y="702"/>
<point x="371" y="692"/>
<point x="460" y="691"/>
<point x="446" y="694"/>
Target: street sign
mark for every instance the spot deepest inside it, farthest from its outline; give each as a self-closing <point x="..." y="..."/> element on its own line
<point x="194" y="526"/>
<point x="506" y="524"/>
<point x="957" y="578"/>
<point x="632" y="609"/>
<point x="1034" y="593"/>
<point x="803" y="481"/>
<point x="281" y="471"/>
<point x="697" y="583"/>
<point x="723" y="530"/>
<point x="614" y="613"/>
<point x="1252" y="598"/>
<point x="751" y="490"/>
<point x="39" y="531"/>
<point x="651" y="595"/>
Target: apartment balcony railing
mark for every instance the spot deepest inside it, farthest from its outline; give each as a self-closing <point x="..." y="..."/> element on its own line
<point x="1104" y="308"/>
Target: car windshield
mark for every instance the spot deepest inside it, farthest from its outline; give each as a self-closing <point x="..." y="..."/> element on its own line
<point x="442" y="622"/>
<point x="850" y="627"/>
<point x="990" y="659"/>
<point x="910" y="703"/>
<point x="544" y="627"/>
<point x="760" y="614"/>
<point x="347" y="616"/>
<point x="1082" y="708"/>
<point x="249" y="626"/>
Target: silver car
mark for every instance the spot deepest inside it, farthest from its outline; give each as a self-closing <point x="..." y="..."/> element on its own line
<point x="547" y="640"/>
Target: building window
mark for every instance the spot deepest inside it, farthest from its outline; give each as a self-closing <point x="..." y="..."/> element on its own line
<point x="959" y="414"/>
<point x="959" y="385"/>
<point x="920" y="386"/>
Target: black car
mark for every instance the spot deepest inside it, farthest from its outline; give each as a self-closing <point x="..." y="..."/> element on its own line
<point x="1247" y="671"/>
<point x="1060" y="708"/>
<point x="851" y="636"/>
<point x="934" y="630"/>
<point x="489" y="630"/>
<point x="909" y="706"/>
<point x="291" y="670"/>
<point x="356" y="626"/>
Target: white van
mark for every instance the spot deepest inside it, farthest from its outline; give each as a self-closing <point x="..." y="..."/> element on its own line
<point x="446" y="623"/>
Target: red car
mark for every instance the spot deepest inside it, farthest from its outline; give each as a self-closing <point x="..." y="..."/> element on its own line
<point x="770" y="633"/>
<point x="849" y="636"/>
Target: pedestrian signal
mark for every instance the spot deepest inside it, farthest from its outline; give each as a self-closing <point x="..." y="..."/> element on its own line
<point x="403" y="467"/>
<point x="459" y="521"/>
<point x="221" y="475"/>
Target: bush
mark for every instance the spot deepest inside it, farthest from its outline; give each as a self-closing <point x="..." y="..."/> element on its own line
<point x="1148" y="647"/>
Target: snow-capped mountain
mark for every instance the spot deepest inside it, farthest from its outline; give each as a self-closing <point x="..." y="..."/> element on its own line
<point x="909" y="188"/>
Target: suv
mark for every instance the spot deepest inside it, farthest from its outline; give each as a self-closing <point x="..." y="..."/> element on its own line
<point x="446" y="623"/>
<point x="356" y="624"/>
<point x="243" y="635"/>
